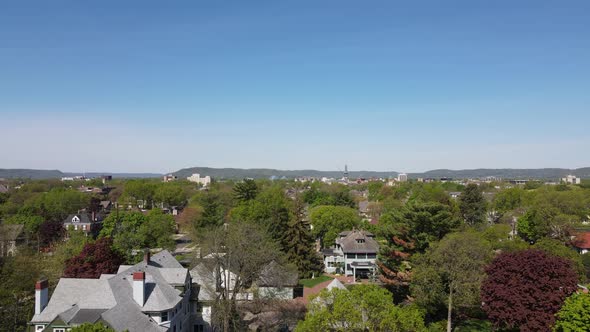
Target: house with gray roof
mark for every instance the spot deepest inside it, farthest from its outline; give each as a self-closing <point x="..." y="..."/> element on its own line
<point x="11" y="236"/>
<point x="152" y="296"/>
<point x="89" y="223"/>
<point x="353" y="254"/>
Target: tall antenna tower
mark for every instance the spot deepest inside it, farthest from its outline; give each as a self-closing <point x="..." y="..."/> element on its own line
<point x="346" y="171"/>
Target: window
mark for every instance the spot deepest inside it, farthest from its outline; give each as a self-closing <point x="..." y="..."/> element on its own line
<point x="372" y="256"/>
<point x="199" y="328"/>
<point x="39" y="327"/>
<point x="83" y="227"/>
<point x="59" y="330"/>
<point x="164" y="316"/>
<point x="76" y="227"/>
<point x="361" y="256"/>
<point x="350" y="256"/>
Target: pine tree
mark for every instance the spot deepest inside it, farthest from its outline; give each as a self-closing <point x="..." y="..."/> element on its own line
<point x="299" y="244"/>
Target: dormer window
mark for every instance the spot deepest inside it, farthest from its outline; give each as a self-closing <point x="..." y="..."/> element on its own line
<point x="360" y="240"/>
<point x="76" y="219"/>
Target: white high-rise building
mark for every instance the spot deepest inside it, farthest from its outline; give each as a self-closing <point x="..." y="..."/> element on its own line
<point x="402" y="177"/>
<point x="205" y="181"/>
<point x="571" y="179"/>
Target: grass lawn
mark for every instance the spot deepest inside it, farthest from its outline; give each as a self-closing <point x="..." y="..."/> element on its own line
<point x="312" y="282"/>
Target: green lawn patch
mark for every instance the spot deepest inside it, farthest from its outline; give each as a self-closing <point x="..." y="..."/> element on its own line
<point x="312" y="282"/>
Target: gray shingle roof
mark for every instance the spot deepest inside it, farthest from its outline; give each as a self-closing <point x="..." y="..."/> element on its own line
<point x="85" y="218"/>
<point x="357" y="241"/>
<point x="10" y="232"/>
<point x="110" y="298"/>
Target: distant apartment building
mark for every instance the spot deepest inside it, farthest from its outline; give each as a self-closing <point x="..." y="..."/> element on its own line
<point x="571" y="179"/>
<point x="402" y="177"/>
<point x="196" y="178"/>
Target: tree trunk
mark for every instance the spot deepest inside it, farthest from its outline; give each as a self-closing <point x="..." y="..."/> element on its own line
<point x="450" y="311"/>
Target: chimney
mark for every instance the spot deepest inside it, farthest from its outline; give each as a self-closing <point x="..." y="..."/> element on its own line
<point x="41" y="295"/>
<point x="146" y="256"/>
<point x="139" y="287"/>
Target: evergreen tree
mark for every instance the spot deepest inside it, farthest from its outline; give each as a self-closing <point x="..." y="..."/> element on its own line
<point x="245" y="190"/>
<point x="472" y="205"/>
<point x="299" y="243"/>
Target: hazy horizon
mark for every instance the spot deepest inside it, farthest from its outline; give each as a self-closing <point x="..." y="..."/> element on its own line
<point x="148" y="87"/>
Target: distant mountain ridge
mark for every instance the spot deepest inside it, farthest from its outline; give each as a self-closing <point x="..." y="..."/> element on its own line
<point x="504" y="173"/>
<point x="37" y="174"/>
<point x="265" y="173"/>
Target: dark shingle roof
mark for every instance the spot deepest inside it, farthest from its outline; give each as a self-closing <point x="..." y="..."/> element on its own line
<point x="85" y="218"/>
<point x="358" y="242"/>
<point x="10" y="232"/>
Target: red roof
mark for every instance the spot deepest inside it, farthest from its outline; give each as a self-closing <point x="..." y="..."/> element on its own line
<point x="582" y="240"/>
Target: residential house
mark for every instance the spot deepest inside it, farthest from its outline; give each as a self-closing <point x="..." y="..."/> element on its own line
<point x="211" y="281"/>
<point x="169" y="178"/>
<point x="354" y="254"/>
<point x="3" y="189"/>
<point x="153" y="295"/>
<point x="11" y="236"/>
<point x="86" y="222"/>
<point x="581" y="242"/>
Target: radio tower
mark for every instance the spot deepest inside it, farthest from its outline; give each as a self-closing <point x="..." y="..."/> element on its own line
<point x="345" y="172"/>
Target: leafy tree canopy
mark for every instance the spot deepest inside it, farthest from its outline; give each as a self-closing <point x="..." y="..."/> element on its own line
<point x="574" y="315"/>
<point x="525" y="289"/>
<point x="363" y="308"/>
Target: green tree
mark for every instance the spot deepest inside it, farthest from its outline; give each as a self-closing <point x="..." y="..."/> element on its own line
<point x="451" y="273"/>
<point x="472" y="205"/>
<point x="364" y="308"/>
<point x="574" y="315"/>
<point x="271" y="209"/>
<point x="245" y="190"/>
<point x="329" y="221"/>
<point x="299" y="243"/>
<point x="558" y="248"/>
<point x="169" y="195"/>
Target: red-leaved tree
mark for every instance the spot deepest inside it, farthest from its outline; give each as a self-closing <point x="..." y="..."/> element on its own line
<point x="525" y="289"/>
<point x="95" y="259"/>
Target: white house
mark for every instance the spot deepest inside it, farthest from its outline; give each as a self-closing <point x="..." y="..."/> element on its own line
<point x="153" y="295"/>
<point x="205" y="181"/>
<point x="354" y="254"/>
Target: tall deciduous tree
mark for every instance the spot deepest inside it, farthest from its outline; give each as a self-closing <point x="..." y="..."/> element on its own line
<point x="451" y="272"/>
<point x="472" y="205"/>
<point x="328" y="221"/>
<point x="525" y="289"/>
<point x="574" y="315"/>
<point x="95" y="259"/>
<point x="364" y="308"/>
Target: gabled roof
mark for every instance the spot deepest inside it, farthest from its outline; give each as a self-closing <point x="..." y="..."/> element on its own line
<point x="275" y="275"/>
<point x="10" y="232"/>
<point x="582" y="240"/>
<point x="110" y="298"/>
<point x="84" y="218"/>
<point x="357" y="241"/>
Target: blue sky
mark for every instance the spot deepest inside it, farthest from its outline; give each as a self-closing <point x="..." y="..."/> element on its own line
<point x="152" y="86"/>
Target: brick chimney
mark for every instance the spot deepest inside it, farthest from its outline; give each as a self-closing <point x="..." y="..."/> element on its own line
<point x="41" y="295"/>
<point x="139" y="287"/>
